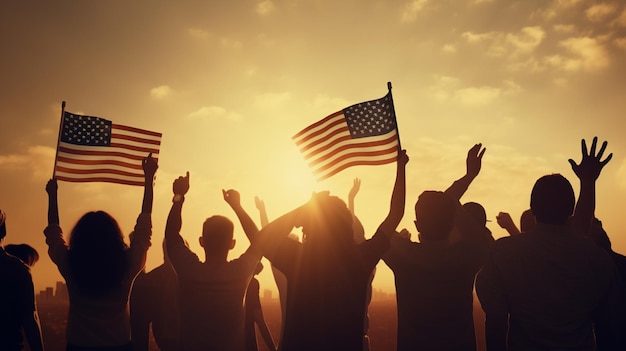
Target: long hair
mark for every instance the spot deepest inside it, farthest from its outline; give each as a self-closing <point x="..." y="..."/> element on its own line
<point x="97" y="254"/>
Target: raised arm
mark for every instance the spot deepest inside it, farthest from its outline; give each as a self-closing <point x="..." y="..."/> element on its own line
<point x="473" y="163"/>
<point x="506" y="222"/>
<point x="588" y="171"/>
<point x="174" y="219"/>
<point x="233" y="198"/>
<point x="398" y="197"/>
<point x="356" y="185"/>
<point x="142" y="233"/>
<point x="150" y="166"/>
<point x="53" y="202"/>
<point x="260" y="205"/>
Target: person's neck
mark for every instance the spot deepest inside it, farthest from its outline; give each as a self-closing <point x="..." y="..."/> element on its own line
<point x="215" y="259"/>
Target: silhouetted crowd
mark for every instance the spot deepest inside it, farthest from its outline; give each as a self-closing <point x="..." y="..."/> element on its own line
<point x="553" y="284"/>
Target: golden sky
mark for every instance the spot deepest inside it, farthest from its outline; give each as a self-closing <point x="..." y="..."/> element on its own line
<point x="229" y="82"/>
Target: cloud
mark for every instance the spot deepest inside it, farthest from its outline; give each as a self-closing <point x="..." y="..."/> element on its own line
<point x="620" y="43"/>
<point x="510" y="45"/>
<point x="272" y="100"/>
<point x="324" y="101"/>
<point x="231" y="43"/>
<point x="442" y="89"/>
<point x="411" y="9"/>
<point x="556" y="8"/>
<point x="198" y="33"/>
<point x="161" y="92"/>
<point x="210" y="113"/>
<point x="564" y="28"/>
<point x="598" y="12"/>
<point x="480" y="96"/>
<point x="589" y="55"/>
<point x="621" y="20"/>
<point x="449" y="48"/>
<point x="265" y="7"/>
<point x="527" y="40"/>
<point x="37" y="160"/>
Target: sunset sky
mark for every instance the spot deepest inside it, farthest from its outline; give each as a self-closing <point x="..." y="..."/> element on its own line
<point x="228" y="83"/>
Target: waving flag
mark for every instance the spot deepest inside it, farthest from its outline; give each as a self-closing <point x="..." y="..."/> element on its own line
<point x="362" y="134"/>
<point x="93" y="149"/>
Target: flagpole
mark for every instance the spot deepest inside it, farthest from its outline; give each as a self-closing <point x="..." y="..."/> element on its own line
<point x="56" y="156"/>
<point x="394" y="115"/>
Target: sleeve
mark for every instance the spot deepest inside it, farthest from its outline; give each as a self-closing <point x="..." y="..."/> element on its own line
<point x="180" y="255"/>
<point x="57" y="248"/>
<point x="374" y="248"/>
<point x="140" y="242"/>
<point x="393" y="257"/>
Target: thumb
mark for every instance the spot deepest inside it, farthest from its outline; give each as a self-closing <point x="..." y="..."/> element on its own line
<point x="572" y="163"/>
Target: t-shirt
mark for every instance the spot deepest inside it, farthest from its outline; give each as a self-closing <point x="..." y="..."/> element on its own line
<point x="326" y="298"/>
<point x="154" y="302"/>
<point x="553" y="284"/>
<point x="434" y="292"/>
<point x="101" y="321"/>
<point x="211" y="298"/>
<point x="253" y="303"/>
<point x="17" y="299"/>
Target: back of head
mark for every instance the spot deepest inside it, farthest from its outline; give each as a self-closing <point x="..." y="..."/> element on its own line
<point x="552" y="199"/>
<point x="434" y="215"/>
<point x="3" y="225"/>
<point x="217" y="235"/>
<point x="327" y="222"/>
<point x="24" y="252"/>
<point x="97" y="253"/>
<point x="477" y="211"/>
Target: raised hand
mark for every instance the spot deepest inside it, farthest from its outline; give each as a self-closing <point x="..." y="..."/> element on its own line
<point x="232" y="197"/>
<point x="504" y="220"/>
<point x="181" y="185"/>
<point x="356" y="186"/>
<point x="474" y="160"/>
<point x="591" y="164"/>
<point x="403" y="158"/>
<point x="150" y="166"/>
<point x="52" y="187"/>
<point x="259" y="203"/>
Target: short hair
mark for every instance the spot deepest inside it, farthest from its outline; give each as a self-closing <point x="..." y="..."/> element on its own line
<point x="217" y="234"/>
<point x="476" y="211"/>
<point x="328" y="220"/>
<point x="552" y="199"/>
<point x="434" y="215"/>
<point x="24" y="252"/>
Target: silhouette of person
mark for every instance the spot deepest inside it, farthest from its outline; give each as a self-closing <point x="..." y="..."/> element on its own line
<point x="601" y="238"/>
<point x="18" y="311"/>
<point x="254" y="315"/>
<point x="99" y="269"/>
<point x="211" y="293"/>
<point x="279" y="277"/>
<point x="527" y="222"/>
<point x="327" y="273"/>
<point x="24" y="252"/>
<point x="154" y="303"/>
<point x="435" y="277"/>
<point x="359" y="237"/>
<point x="552" y="288"/>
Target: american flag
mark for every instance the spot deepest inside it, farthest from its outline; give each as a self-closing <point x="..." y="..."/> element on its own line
<point x="94" y="149"/>
<point x="362" y="134"/>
